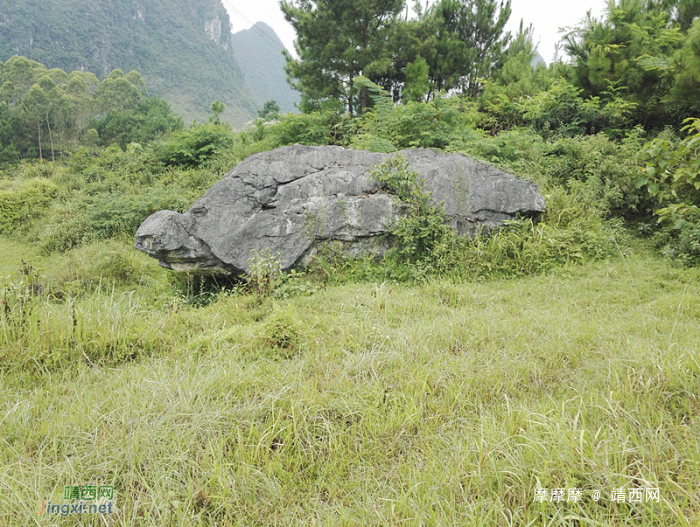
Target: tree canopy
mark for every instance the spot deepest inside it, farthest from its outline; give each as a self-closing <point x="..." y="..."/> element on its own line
<point x="338" y="40"/>
<point x="45" y="113"/>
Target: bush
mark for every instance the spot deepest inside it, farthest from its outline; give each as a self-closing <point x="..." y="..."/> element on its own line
<point x="317" y="128"/>
<point x="435" y="124"/>
<point x="195" y="146"/>
<point x="105" y="264"/>
<point x="672" y="178"/>
<point x="151" y="119"/>
<point x="20" y="201"/>
<point x="109" y="216"/>
<point x="66" y="233"/>
<point x="422" y="227"/>
<point x="281" y="334"/>
<point x="264" y="272"/>
<point x="105" y="215"/>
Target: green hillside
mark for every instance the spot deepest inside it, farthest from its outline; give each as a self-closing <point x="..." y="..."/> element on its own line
<point x="181" y="47"/>
<point x="260" y="45"/>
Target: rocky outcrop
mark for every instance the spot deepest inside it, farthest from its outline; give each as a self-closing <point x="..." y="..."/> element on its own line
<point x="292" y="199"/>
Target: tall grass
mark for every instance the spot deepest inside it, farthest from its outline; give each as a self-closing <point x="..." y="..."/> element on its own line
<point x="442" y="403"/>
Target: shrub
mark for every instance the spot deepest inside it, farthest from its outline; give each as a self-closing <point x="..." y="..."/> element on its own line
<point x="281" y="333"/>
<point x="18" y="298"/>
<point x="91" y="218"/>
<point x="66" y="233"/>
<point x="105" y="264"/>
<point x="151" y="119"/>
<point x="422" y="227"/>
<point x="435" y="124"/>
<point x="672" y="178"/>
<point x="317" y="128"/>
<point x="21" y="201"/>
<point x="195" y="146"/>
<point x="110" y="215"/>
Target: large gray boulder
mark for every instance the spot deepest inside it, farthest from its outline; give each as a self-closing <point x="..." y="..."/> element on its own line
<point x="293" y="198"/>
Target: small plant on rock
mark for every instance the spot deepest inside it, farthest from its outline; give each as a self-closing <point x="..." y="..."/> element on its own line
<point x="422" y="230"/>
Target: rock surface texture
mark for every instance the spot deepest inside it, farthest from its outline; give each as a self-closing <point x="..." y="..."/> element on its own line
<point x="292" y="199"/>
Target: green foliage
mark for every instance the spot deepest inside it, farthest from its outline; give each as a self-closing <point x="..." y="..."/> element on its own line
<point x="672" y="178"/>
<point x="109" y="216"/>
<point x="318" y="128"/>
<point x="195" y="146"/>
<point x="104" y="265"/>
<point x="264" y="272"/>
<point x="19" y="296"/>
<point x="605" y="170"/>
<point x="217" y="108"/>
<point x="282" y="334"/>
<point x="523" y="248"/>
<point x="421" y="231"/>
<point x="149" y="120"/>
<point x="686" y="84"/>
<point x="469" y="44"/>
<point x="270" y="110"/>
<point x="673" y="171"/>
<point x="21" y="201"/>
<point x="435" y="124"/>
<point x="634" y="47"/>
<point x="167" y="40"/>
<point x="337" y="42"/>
<point x="417" y="82"/>
<point x="48" y="113"/>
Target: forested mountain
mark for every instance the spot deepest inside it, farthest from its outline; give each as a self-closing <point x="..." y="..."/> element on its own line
<point x="260" y="46"/>
<point x="183" y="48"/>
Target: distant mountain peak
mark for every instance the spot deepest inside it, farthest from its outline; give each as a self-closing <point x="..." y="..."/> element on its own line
<point x="258" y="51"/>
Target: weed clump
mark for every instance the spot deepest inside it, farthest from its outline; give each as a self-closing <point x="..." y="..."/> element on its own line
<point x="264" y="272"/>
<point x="281" y="333"/>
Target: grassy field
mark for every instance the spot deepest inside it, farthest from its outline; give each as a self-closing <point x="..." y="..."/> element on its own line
<point x="364" y="404"/>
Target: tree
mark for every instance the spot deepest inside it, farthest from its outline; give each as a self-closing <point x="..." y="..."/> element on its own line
<point x="630" y="50"/>
<point x="19" y="75"/>
<point x="119" y="91"/>
<point x="8" y="135"/>
<point x="417" y="82"/>
<point x="686" y="84"/>
<point x="683" y="12"/>
<point x="34" y="104"/>
<point x="79" y="96"/>
<point x="469" y="42"/>
<point x="151" y="119"/>
<point x="337" y="41"/>
<point x="270" y="110"/>
<point x="217" y="108"/>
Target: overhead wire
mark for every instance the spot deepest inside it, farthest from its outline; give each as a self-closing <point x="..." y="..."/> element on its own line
<point x="228" y="3"/>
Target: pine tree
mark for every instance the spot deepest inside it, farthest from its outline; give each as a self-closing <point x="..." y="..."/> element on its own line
<point x="337" y="41"/>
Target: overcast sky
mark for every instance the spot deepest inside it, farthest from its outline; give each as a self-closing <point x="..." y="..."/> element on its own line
<point x="547" y="17"/>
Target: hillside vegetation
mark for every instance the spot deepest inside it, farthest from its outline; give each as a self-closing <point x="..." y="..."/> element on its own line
<point x="183" y="48"/>
<point x="450" y="382"/>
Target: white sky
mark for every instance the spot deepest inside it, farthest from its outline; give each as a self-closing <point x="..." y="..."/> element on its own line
<point x="547" y="17"/>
